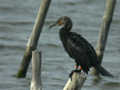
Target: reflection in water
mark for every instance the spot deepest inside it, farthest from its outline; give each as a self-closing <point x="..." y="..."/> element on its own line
<point x="96" y="80"/>
<point x="111" y="85"/>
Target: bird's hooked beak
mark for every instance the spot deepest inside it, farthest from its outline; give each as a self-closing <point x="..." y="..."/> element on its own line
<point x="57" y="23"/>
<point x="53" y="25"/>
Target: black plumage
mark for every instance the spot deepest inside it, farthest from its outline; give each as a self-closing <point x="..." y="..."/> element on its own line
<point x="78" y="47"/>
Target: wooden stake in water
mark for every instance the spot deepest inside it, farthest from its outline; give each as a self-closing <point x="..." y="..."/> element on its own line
<point x="105" y="27"/>
<point x="36" y="71"/>
<point x="33" y="40"/>
<point x="77" y="81"/>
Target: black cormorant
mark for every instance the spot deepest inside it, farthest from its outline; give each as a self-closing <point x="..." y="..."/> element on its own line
<point x="78" y="47"/>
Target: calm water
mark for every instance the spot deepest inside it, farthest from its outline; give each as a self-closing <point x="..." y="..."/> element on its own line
<point x="16" y="22"/>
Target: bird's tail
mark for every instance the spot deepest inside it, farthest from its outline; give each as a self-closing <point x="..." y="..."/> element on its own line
<point x="103" y="71"/>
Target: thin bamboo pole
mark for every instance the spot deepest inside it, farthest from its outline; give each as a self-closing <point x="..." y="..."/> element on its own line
<point x="36" y="71"/>
<point x="77" y="81"/>
<point x="105" y="27"/>
<point x="33" y="40"/>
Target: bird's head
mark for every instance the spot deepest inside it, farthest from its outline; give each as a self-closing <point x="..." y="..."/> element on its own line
<point x="63" y="21"/>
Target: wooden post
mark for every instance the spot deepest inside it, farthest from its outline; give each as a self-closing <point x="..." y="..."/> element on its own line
<point x="103" y="35"/>
<point x="36" y="71"/>
<point x="33" y="40"/>
<point x="77" y="82"/>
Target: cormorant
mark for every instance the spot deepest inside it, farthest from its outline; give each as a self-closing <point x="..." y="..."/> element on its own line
<point x="78" y="47"/>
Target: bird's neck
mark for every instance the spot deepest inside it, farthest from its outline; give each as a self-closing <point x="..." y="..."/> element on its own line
<point x="63" y="35"/>
<point x="64" y="31"/>
<point x="67" y="27"/>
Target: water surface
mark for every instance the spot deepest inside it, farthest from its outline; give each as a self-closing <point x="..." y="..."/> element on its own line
<point x="16" y="22"/>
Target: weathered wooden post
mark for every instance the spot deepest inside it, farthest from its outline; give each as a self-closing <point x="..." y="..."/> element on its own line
<point x="103" y="35"/>
<point x="78" y="79"/>
<point x="36" y="71"/>
<point x="33" y="40"/>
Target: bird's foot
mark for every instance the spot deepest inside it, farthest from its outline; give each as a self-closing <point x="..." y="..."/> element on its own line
<point x="78" y="67"/>
<point x="70" y="75"/>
